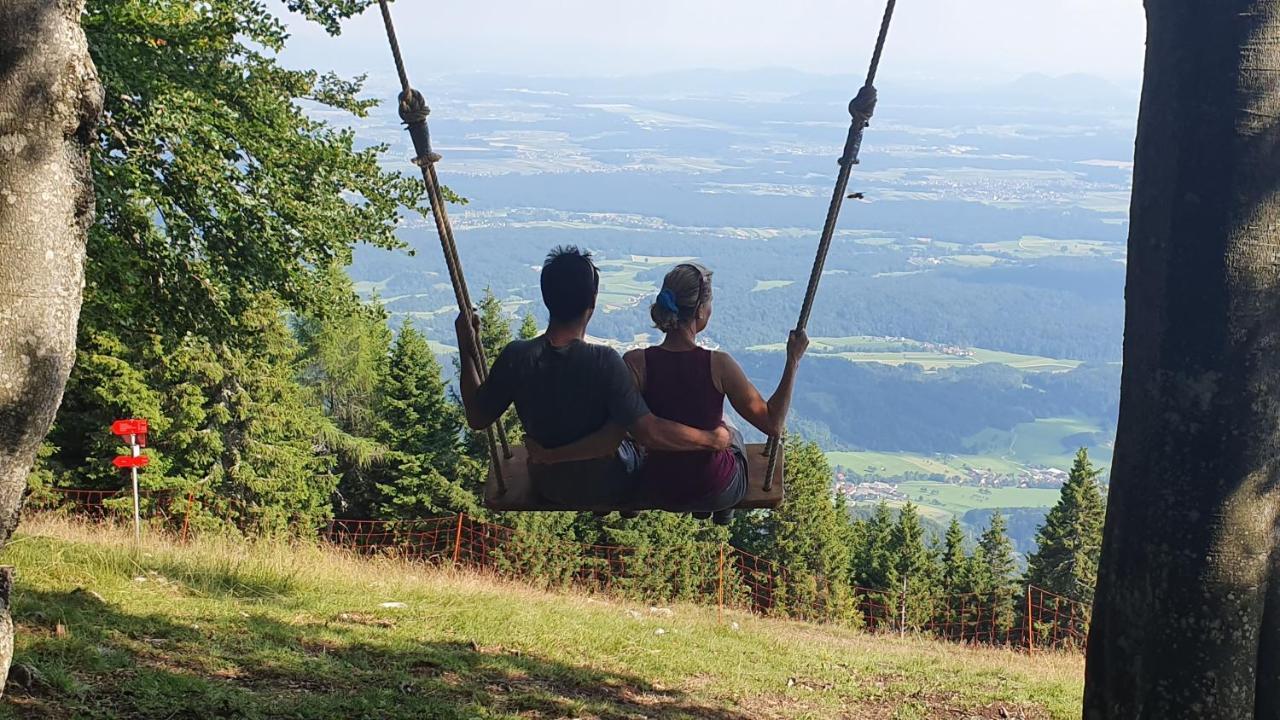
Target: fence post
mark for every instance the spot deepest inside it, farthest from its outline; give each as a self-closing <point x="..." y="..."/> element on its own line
<point x="720" y="589"/>
<point x="186" y="516"/>
<point x="1031" y="638"/>
<point x="457" y="539"/>
<point x="902" y="610"/>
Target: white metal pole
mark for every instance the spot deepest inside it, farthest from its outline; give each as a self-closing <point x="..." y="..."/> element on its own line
<point x="137" y="510"/>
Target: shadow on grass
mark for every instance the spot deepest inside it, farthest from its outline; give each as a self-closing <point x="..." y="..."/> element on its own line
<point x="200" y="581"/>
<point x="113" y="663"/>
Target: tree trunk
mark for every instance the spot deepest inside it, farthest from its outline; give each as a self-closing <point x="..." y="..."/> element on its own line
<point x="1187" y="613"/>
<point x="49" y="103"/>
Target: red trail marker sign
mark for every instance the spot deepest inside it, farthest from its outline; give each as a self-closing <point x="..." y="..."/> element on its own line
<point x="134" y="430"/>
<point x="124" y="428"/>
<point x="129" y="461"/>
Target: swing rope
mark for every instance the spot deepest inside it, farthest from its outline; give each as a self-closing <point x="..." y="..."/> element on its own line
<point x="413" y="112"/>
<point x="861" y="108"/>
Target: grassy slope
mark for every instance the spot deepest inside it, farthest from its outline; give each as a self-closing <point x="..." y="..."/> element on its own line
<point x="218" y="629"/>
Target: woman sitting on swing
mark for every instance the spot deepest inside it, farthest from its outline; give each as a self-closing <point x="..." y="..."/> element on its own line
<point x="686" y="383"/>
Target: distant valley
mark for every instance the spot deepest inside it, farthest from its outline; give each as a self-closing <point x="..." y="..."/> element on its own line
<point x="970" y="317"/>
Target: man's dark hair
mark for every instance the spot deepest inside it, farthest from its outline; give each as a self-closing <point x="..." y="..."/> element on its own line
<point x="570" y="281"/>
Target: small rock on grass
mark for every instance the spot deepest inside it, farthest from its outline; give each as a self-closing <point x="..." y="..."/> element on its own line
<point x="85" y="592"/>
<point x="661" y="611"/>
<point x="659" y="631"/>
<point x="393" y="605"/>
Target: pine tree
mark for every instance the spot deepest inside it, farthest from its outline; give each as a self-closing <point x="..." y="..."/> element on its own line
<point x="671" y="555"/>
<point x="873" y="562"/>
<point x="346" y="343"/>
<point x="806" y="538"/>
<point x="529" y="327"/>
<point x="995" y="569"/>
<point x="425" y="471"/>
<point x="1068" y="544"/>
<point x="916" y="567"/>
<point x="958" y="604"/>
<point x="544" y="549"/>
<point x="495" y="334"/>
<point x="230" y="423"/>
<point x="346" y="347"/>
<point x="495" y="325"/>
<point x="955" y="561"/>
<point x="269" y="471"/>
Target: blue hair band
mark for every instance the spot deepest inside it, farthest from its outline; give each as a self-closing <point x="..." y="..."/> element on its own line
<point x="667" y="301"/>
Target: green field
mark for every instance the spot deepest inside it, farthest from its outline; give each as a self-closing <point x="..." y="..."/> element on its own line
<point x="619" y="287"/>
<point x="957" y="500"/>
<point x="763" y="285"/>
<point x="1028" y="247"/>
<point x="224" y="627"/>
<point x="1043" y="443"/>
<point x="1033" y="247"/>
<point x="975" y="261"/>
<point x="891" y="465"/>
<point x="902" y="351"/>
<point x="369" y="287"/>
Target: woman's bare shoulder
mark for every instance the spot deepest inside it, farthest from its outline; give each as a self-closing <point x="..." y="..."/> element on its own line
<point x="722" y="369"/>
<point x="722" y="359"/>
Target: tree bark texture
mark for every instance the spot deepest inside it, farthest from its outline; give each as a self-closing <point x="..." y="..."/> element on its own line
<point x="1186" y="621"/>
<point x="49" y="103"/>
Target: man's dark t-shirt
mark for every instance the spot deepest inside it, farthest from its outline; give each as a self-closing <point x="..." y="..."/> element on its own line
<point x="563" y="394"/>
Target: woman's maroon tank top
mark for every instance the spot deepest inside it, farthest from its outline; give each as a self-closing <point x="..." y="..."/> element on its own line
<point x="678" y="386"/>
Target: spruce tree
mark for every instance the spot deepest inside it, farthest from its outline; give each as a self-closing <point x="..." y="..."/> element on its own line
<point x="671" y="556"/>
<point x="995" y="575"/>
<point x="958" y="605"/>
<point x="916" y="567"/>
<point x="955" y="561"/>
<point x="806" y="539"/>
<point x="529" y="327"/>
<point x="346" y="344"/>
<point x="269" y="472"/>
<point x="346" y="348"/>
<point x="1068" y="544"/>
<point x="421" y="429"/>
<point x="230" y="424"/>
<point x="544" y="549"/>
<point x="495" y="324"/>
<point x="873" y="564"/>
<point x="495" y="334"/>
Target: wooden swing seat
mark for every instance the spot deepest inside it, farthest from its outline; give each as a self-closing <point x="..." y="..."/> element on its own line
<point x="521" y="496"/>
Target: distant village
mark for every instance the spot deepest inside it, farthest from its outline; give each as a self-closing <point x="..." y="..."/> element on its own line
<point x="859" y="489"/>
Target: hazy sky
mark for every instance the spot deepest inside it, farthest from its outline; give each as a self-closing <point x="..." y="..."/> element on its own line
<point x="982" y="40"/>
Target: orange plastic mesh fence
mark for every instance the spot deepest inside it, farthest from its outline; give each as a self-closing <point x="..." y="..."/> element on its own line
<point x="1026" y="617"/>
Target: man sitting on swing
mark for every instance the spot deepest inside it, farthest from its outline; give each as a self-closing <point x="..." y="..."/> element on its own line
<point x="566" y="389"/>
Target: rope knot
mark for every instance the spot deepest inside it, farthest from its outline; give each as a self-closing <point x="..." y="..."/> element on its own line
<point x="863" y="106"/>
<point x="413" y="107"/>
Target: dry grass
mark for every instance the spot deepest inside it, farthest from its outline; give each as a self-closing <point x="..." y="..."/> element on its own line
<point x="228" y="628"/>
